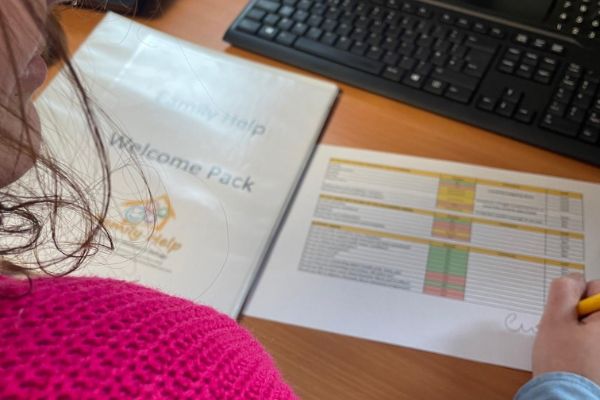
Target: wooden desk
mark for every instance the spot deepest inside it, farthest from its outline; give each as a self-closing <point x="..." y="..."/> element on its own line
<point x="325" y="366"/>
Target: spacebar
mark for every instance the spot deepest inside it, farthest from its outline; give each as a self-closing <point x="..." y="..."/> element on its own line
<point x="339" y="56"/>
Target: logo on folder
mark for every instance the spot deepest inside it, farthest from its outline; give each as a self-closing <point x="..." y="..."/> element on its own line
<point x="157" y="213"/>
<point x="141" y="230"/>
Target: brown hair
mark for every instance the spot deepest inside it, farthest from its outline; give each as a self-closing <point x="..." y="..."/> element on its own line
<point x="37" y="211"/>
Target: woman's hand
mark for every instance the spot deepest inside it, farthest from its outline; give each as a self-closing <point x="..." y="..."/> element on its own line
<point x="565" y="343"/>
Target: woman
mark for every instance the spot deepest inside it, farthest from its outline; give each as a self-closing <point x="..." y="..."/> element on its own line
<point x="90" y="338"/>
<point x="63" y="337"/>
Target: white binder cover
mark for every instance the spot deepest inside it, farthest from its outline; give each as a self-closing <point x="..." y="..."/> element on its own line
<point x="222" y="141"/>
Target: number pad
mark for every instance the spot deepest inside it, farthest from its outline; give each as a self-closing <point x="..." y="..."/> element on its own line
<point x="578" y="18"/>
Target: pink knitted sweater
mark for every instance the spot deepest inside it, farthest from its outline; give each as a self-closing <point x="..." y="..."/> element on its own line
<point x="87" y="338"/>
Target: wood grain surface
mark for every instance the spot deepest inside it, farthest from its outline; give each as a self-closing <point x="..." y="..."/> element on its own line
<point x="320" y="365"/>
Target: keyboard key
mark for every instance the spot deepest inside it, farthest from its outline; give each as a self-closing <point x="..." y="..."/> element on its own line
<point x="568" y="83"/>
<point x="395" y="4"/>
<point x="557" y="108"/>
<point x="267" y="5"/>
<point x="407" y="63"/>
<point x="249" y="26"/>
<point x="342" y="29"/>
<point x="507" y="66"/>
<point x="559" y="125"/>
<point x="447" y="18"/>
<point x="455" y="64"/>
<point x="406" y="49"/>
<point x="549" y="63"/>
<point x="456" y="36"/>
<point x="300" y="16"/>
<point x="513" y="54"/>
<point x="304" y="5"/>
<point x="313" y="20"/>
<point x="439" y="58"/>
<point x="531" y="58"/>
<point x="539" y="43"/>
<point x="391" y="58"/>
<point x="574" y="69"/>
<point x="512" y="95"/>
<point x="524" y="115"/>
<point x="480" y="58"/>
<point x="563" y="95"/>
<point x="268" y="32"/>
<point x="521" y="38"/>
<point x="423" y="68"/>
<point x="393" y="73"/>
<point x="271" y="19"/>
<point x="458" y="93"/>
<point x="455" y="78"/>
<point x="590" y="134"/>
<point x="557" y="48"/>
<point x="286" y="38"/>
<point x="480" y="27"/>
<point x="314" y="33"/>
<point x="505" y="108"/>
<point x="474" y="70"/>
<point x="256" y="14"/>
<point x="543" y="76"/>
<point x="582" y="100"/>
<point x="593" y="76"/>
<point x="408" y="8"/>
<point x="359" y="48"/>
<point x="359" y="34"/>
<point x="525" y="71"/>
<point x="414" y="80"/>
<point x="375" y="53"/>
<point x="576" y="114"/>
<point x="463" y="22"/>
<point x="422" y="54"/>
<point x="458" y="51"/>
<point x="329" y="38"/>
<point x="424" y="12"/>
<point x="440" y="32"/>
<point x="344" y="43"/>
<point x="330" y="24"/>
<point x="481" y="43"/>
<point x="339" y="56"/>
<point x="588" y="87"/>
<point x="285" y="24"/>
<point x="497" y="33"/>
<point x="435" y="86"/>
<point x="286" y="11"/>
<point x="594" y="119"/>
<point x="425" y="41"/>
<point x="486" y="103"/>
<point x="299" y="29"/>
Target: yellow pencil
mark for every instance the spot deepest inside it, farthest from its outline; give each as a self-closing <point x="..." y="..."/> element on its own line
<point x="588" y="305"/>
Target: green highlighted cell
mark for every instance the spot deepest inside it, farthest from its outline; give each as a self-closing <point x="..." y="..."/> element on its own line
<point x="446" y="272"/>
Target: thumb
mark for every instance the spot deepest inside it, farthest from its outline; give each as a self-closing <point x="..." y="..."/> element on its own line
<point x="565" y="293"/>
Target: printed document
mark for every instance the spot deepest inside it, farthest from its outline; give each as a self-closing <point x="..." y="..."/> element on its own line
<point x="438" y="256"/>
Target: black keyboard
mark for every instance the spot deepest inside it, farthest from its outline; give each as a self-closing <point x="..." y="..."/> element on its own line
<point x="535" y="87"/>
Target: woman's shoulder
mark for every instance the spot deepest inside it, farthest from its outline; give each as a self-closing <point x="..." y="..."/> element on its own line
<point x="113" y="338"/>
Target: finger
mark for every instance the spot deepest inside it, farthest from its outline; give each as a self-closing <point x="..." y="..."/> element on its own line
<point x="593" y="287"/>
<point x="565" y="293"/>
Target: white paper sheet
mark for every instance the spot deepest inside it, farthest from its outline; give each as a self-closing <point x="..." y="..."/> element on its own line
<point x="438" y="256"/>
